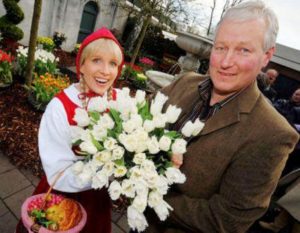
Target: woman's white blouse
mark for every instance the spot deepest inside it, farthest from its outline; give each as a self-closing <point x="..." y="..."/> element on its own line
<point x="55" y="144"/>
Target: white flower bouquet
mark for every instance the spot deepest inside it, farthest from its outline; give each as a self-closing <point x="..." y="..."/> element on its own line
<point x="127" y="149"/>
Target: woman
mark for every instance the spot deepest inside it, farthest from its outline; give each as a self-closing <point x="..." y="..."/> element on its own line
<point x="99" y="62"/>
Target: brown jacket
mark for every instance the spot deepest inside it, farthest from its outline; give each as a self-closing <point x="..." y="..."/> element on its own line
<point x="232" y="167"/>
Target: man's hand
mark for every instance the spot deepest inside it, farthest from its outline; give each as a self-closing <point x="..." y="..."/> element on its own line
<point x="177" y="160"/>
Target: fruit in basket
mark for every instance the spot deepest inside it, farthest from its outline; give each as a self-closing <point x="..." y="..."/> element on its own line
<point x="66" y="214"/>
<point x="38" y="202"/>
<point x="57" y="213"/>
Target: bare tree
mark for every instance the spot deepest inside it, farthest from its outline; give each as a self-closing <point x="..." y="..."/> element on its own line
<point x="148" y="9"/>
<point x="32" y="43"/>
<point x="213" y="7"/>
<point x="228" y="4"/>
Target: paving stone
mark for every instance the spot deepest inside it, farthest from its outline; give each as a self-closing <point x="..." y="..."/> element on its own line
<point x="14" y="202"/>
<point x="32" y="178"/>
<point x="5" y="164"/>
<point x="3" y="208"/>
<point x="115" y="216"/>
<point x="8" y="223"/>
<point x="122" y="223"/>
<point x="116" y="229"/>
<point x="11" y="182"/>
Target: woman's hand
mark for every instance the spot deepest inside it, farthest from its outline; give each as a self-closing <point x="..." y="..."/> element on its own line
<point x="177" y="160"/>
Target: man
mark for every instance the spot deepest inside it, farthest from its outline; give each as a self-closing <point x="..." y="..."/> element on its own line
<point x="265" y="83"/>
<point x="290" y="109"/>
<point x="233" y="165"/>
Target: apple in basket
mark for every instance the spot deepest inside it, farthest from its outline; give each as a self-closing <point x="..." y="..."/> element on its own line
<point x="53" y="213"/>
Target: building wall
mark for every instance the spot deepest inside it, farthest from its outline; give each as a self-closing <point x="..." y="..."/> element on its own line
<point x="65" y="16"/>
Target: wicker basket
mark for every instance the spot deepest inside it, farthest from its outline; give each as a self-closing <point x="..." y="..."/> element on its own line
<point x="35" y="228"/>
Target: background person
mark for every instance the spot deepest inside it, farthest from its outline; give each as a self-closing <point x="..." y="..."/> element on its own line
<point x="231" y="172"/>
<point x="99" y="62"/>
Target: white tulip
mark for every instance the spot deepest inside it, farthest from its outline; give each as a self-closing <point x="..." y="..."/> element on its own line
<point x="162" y="185"/>
<point x="148" y="166"/>
<point x="158" y="103"/>
<point x="115" y="190"/>
<point x="137" y="119"/>
<point x="165" y="143"/>
<point x="136" y="220"/>
<point x="173" y="113"/>
<point x="148" y="126"/>
<point x="175" y="176"/>
<point x="140" y="203"/>
<point x="120" y="171"/>
<point x="128" y="188"/>
<point x="129" y="126"/>
<point x="187" y="129"/>
<point x="155" y="198"/>
<point x="99" y="132"/>
<point x="88" y="146"/>
<point x="105" y="156"/>
<point x="118" y="153"/>
<point x="139" y="158"/>
<point x="160" y="120"/>
<point x="81" y="117"/>
<point x="198" y="127"/>
<point x="109" y="168"/>
<point x="190" y="128"/>
<point x="99" y="180"/>
<point x="140" y="96"/>
<point x="179" y="146"/>
<point x="162" y="210"/>
<point x="106" y="121"/>
<point x="110" y="143"/>
<point x="98" y="104"/>
<point x="153" y="145"/>
<point x="135" y="173"/>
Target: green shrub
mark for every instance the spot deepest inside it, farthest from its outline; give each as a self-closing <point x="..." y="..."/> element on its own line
<point x="46" y="43"/>
<point x="14" y="15"/>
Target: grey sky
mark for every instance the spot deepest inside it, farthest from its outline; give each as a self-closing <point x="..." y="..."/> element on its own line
<point x="286" y="10"/>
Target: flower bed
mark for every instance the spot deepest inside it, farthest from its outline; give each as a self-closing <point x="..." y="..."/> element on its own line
<point x="5" y="69"/>
<point x="45" y="87"/>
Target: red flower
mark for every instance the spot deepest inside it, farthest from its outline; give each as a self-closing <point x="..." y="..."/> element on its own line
<point x="5" y="57"/>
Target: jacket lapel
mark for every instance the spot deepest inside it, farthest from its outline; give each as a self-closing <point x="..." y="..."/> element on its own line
<point x="230" y="113"/>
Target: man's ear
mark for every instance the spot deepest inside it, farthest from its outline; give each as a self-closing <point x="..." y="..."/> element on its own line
<point x="268" y="55"/>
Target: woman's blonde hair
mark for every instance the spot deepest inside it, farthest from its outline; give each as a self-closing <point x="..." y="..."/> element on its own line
<point x="102" y="44"/>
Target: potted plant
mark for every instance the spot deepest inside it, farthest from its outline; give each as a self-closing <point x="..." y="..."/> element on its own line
<point x="58" y="39"/>
<point x="5" y="69"/>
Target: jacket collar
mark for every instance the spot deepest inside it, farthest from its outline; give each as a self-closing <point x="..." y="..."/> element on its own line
<point x="230" y="113"/>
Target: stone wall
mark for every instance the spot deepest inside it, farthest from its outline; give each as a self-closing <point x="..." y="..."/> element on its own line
<point x="65" y="16"/>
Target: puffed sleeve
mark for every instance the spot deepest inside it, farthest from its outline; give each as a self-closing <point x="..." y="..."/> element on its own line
<point x="55" y="148"/>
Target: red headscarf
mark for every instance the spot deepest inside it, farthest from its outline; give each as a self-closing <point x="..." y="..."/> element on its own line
<point x="101" y="33"/>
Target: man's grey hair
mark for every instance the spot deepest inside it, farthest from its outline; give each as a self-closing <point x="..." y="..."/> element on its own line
<point x="255" y="10"/>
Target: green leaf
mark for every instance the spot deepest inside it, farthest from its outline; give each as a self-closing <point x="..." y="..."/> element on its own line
<point x="94" y="115"/>
<point x="158" y="132"/>
<point x="77" y="143"/>
<point x="144" y="111"/>
<point x="173" y="134"/>
<point x="120" y="162"/>
<point x="118" y="121"/>
<point x="96" y="143"/>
